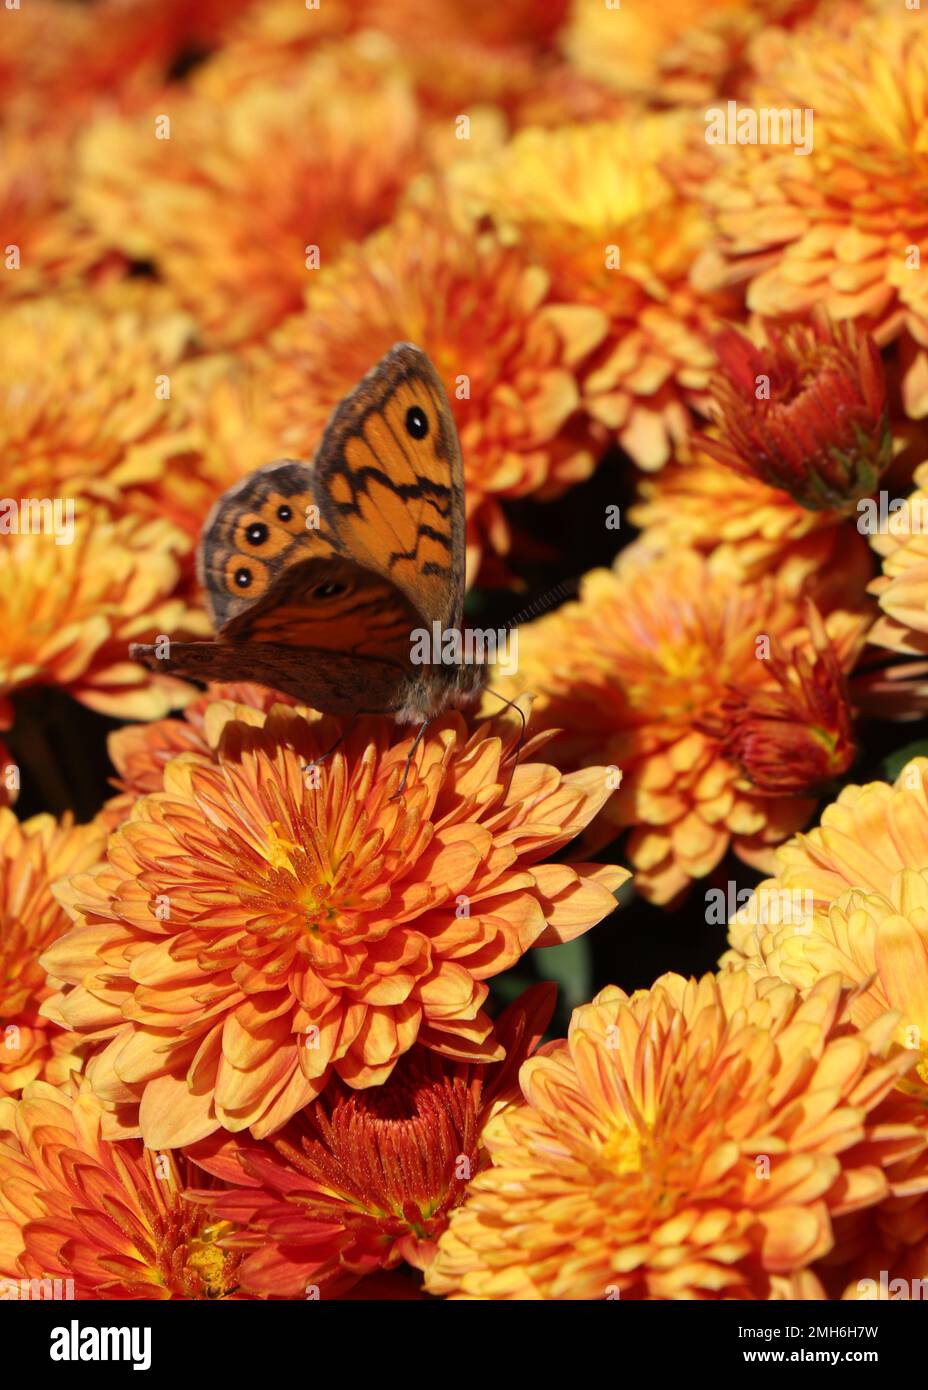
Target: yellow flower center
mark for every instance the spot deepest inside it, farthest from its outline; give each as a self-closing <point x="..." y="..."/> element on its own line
<point x="314" y="897"/>
<point x="207" y="1261"/>
<point x="622" y="1150"/>
<point x="320" y="911"/>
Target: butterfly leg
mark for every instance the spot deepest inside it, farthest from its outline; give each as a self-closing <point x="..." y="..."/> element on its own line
<point x="317" y="762"/>
<point x="409" y="757"/>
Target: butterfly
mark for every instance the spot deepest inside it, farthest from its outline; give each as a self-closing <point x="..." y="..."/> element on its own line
<point x="317" y="575"/>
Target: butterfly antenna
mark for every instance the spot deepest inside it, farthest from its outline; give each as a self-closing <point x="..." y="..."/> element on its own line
<point x="518" y="709"/>
<point x="409" y="757"/>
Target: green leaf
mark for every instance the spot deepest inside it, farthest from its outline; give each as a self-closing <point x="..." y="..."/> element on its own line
<point x="571" y="968"/>
<point x="895" y="762"/>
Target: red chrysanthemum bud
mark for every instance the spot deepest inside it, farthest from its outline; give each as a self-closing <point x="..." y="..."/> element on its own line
<point x="791" y="741"/>
<point x="805" y="413"/>
<point x="361" y="1180"/>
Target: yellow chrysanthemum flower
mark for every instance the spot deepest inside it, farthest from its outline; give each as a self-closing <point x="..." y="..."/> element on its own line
<point x="901" y="538"/>
<point x="867" y="836"/>
<point x="851" y="898"/>
<point x="603" y="207"/>
<point x="694" y="1140"/>
<point x="844" y="226"/>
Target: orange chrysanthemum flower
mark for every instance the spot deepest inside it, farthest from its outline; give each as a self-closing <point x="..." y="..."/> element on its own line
<point x="457" y="59"/>
<point x="902" y="588"/>
<point x="238" y="198"/>
<point x="141" y="752"/>
<point x="33" y="854"/>
<point x="694" y="1140"/>
<point x="639" y="673"/>
<point x="362" y="1180"/>
<point x="805" y="413"/>
<point x="600" y="206"/>
<point x="110" y="1217"/>
<point x="262" y="924"/>
<point x="673" y="52"/>
<point x="70" y="610"/>
<point x="507" y="350"/>
<point x="88" y="404"/>
<point x="844" y="226"/>
<point x="754" y="529"/>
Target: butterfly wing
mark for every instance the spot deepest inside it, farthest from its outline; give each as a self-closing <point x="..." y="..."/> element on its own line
<point x="256" y="529"/>
<point x="331" y="603"/>
<point x="390" y="483"/>
<point x="330" y="681"/>
<point x="273" y="574"/>
<point x="316" y="576"/>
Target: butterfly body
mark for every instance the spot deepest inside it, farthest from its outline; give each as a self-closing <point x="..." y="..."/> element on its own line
<point x="318" y="576"/>
<point x="438" y="689"/>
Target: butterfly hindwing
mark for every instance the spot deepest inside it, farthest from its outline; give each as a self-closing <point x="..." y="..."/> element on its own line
<point x="390" y="484"/>
<point x="255" y="531"/>
<point x="330" y="681"/>
<point x="331" y="603"/>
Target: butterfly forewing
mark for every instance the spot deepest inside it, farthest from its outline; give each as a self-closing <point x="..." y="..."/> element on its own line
<point x="390" y="484"/>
